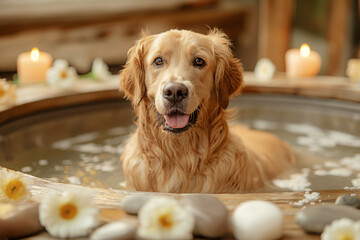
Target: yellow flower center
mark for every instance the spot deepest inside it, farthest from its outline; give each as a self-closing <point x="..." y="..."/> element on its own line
<point x="165" y="221"/>
<point x="265" y="69"/>
<point x="15" y="189"/>
<point x="2" y="92"/>
<point x="63" y="74"/>
<point x="68" y="211"/>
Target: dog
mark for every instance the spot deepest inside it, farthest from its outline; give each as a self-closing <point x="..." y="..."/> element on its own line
<point x="179" y="83"/>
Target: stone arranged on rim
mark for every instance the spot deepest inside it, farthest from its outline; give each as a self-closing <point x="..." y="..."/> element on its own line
<point x="348" y="200"/>
<point x="19" y="220"/>
<point x="257" y="220"/>
<point x="125" y="229"/>
<point x="211" y="215"/>
<point x="131" y="204"/>
<point x="314" y="219"/>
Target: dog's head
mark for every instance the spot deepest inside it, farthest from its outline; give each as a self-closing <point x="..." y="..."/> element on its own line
<point x="182" y="73"/>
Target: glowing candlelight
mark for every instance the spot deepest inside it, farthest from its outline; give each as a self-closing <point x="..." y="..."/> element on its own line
<point x="34" y="54"/>
<point x="32" y="66"/>
<point x="304" y="50"/>
<point x="302" y="62"/>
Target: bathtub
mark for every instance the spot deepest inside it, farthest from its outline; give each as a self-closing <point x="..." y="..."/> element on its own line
<point x="76" y="137"/>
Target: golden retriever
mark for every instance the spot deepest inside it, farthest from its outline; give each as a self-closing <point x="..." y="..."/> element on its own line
<point x="179" y="83"/>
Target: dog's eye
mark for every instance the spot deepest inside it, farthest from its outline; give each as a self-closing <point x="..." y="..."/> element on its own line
<point x="199" y="62"/>
<point x="158" y="62"/>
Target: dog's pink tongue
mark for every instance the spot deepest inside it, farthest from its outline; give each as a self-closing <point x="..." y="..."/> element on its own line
<point x="176" y="120"/>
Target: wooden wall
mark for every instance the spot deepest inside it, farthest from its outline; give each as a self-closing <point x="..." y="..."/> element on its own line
<point x="79" y="33"/>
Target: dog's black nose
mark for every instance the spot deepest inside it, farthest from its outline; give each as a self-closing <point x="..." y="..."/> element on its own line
<point x="175" y="92"/>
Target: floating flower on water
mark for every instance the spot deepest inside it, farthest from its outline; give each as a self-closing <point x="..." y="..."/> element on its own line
<point x="73" y="214"/>
<point x="100" y="70"/>
<point x="61" y="74"/>
<point x="353" y="70"/>
<point x="7" y="93"/>
<point x="264" y="69"/>
<point x="342" y="229"/>
<point x="164" y="218"/>
<point x="13" y="187"/>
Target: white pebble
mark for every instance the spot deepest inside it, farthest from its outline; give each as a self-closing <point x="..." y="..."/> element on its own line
<point x="257" y="220"/>
<point x="356" y="182"/>
<point x="115" y="230"/>
<point x="133" y="203"/>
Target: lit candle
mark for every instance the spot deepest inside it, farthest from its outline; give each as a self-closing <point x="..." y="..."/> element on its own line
<point x="32" y="66"/>
<point x="302" y="62"/>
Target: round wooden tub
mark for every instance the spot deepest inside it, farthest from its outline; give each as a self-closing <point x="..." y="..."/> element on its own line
<point x="75" y="137"/>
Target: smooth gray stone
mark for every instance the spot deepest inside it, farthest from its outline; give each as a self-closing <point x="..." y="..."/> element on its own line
<point x="211" y="215"/>
<point x="125" y="229"/>
<point x="314" y="219"/>
<point x="348" y="200"/>
<point x="133" y="203"/>
<point x="22" y="221"/>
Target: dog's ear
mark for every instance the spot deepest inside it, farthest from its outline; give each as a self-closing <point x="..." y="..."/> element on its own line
<point x="132" y="76"/>
<point x="228" y="70"/>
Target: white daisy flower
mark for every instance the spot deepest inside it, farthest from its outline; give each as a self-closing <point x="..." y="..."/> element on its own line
<point x="13" y="187"/>
<point x="7" y="93"/>
<point x="73" y="214"/>
<point x="353" y="70"/>
<point x="61" y="74"/>
<point x="100" y="70"/>
<point x="342" y="229"/>
<point x="164" y="218"/>
<point x="264" y="69"/>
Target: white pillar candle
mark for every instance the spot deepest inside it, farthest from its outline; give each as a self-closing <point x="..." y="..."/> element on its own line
<point x="353" y="70"/>
<point x="302" y="62"/>
<point x="32" y="66"/>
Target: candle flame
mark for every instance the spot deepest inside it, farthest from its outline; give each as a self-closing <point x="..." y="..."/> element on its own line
<point x="34" y="54"/>
<point x="304" y="50"/>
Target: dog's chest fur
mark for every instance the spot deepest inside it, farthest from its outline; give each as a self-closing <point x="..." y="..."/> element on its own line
<point x="199" y="161"/>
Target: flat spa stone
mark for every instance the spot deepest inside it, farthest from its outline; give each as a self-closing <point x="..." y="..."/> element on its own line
<point x="257" y="220"/>
<point x="125" y="229"/>
<point x="133" y="203"/>
<point x="314" y="219"/>
<point x="211" y="215"/>
<point x="20" y="220"/>
<point x="348" y="200"/>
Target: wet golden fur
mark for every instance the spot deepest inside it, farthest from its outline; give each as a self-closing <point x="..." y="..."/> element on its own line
<point x="210" y="157"/>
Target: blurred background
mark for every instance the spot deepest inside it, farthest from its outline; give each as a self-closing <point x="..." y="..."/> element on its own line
<point x="81" y="30"/>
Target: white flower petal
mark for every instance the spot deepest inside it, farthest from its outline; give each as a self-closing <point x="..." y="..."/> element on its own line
<point x="164" y="218"/>
<point x="7" y="93"/>
<point x="85" y="219"/>
<point x="8" y="177"/>
<point x="61" y="63"/>
<point x="340" y="229"/>
<point x="61" y="75"/>
<point x="100" y="70"/>
<point x="264" y="69"/>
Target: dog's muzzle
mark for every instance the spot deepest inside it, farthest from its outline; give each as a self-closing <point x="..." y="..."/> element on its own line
<point x="175" y="119"/>
<point x="177" y="122"/>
